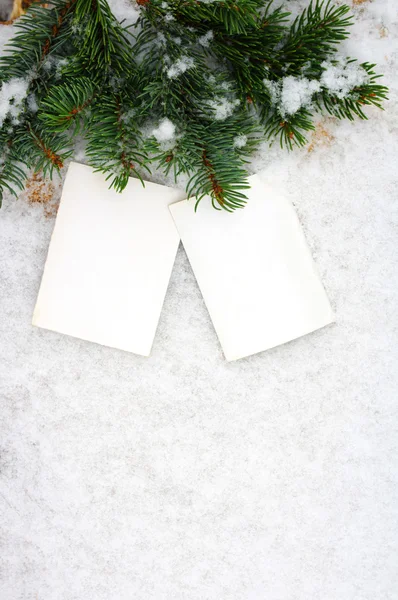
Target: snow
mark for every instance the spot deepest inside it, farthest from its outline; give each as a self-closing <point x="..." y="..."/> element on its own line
<point x="32" y="103"/>
<point x="240" y="141"/>
<point x="165" y="132"/>
<point x="223" y="108"/>
<point x="6" y="33"/>
<point x="183" y="476"/>
<point x="292" y="93"/>
<point x="179" y="67"/>
<point x="339" y="79"/>
<point x="12" y="95"/>
<point x="205" y="39"/>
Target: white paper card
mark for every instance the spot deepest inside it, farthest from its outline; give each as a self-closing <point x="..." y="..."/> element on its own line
<point x="109" y="262"/>
<point x="254" y="269"/>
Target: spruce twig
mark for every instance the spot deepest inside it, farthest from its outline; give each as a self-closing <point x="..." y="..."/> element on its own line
<point x="191" y="89"/>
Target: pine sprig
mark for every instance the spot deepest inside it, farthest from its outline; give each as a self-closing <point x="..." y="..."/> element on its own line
<point x="115" y="145"/>
<point x="12" y="170"/>
<point x="214" y="75"/>
<point x="65" y="103"/>
<point x="46" y="152"/>
<point x="39" y="33"/>
<point x="351" y="106"/>
<point x="314" y="35"/>
<point x="290" y="130"/>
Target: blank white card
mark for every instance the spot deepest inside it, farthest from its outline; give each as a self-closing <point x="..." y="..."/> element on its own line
<point x="109" y="262"/>
<point x="254" y="269"/>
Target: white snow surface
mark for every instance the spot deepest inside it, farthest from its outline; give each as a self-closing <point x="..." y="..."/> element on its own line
<point x="186" y="477"/>
<point x="12" y="94"/>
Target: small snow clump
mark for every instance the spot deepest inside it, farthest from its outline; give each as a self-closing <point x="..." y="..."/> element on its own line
<point x="179" y="67"/>
<point x="240" y="140"/>
<point x="292" y="93"/>
<point x="204" y="40"/>
<point x="223" y="108"/>
<point x="296" y="93"/>
<point x="32" y="103"/>
<point x="125" y="10"/>
<point x="342" y="77"/>
<point x="165" y="132"/>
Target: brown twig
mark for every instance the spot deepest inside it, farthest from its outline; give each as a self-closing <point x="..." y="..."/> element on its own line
<point x="215" y="186"/>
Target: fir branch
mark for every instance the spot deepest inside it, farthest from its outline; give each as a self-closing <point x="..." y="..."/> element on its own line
<point x="313" y="36"/>
<point x="65" y="104"/>
<point x="38" y="34"/>
<point x="214" y="71"/>
<point x="12" y="171"/>
<point x="290" y="129"/>
<point x="114" y="143"/>
<point x="234" y="16"/>
<point x="351" y="106"/>
<point x="103" y="43"/>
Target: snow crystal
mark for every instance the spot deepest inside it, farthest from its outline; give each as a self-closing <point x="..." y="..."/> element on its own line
<point x="165" y="132"/>
<point x="297" y="92"/>
<point x="180" y="66"/>
<point x="274" y="90"/>
<point x="32" y="103"/>
<point x="341" y="77"/>
<point x="48" y="63"/>
<point x="55" y="64"/>
<point x="223" y="108"/>
<point x="205" y="39"/>
<point x="59" y="65"/>
<point x="160" y="38"/>
<point x="128" y="116"/>
<point x="240" y="141"/>
<point x="292" y="93"/>
<point x="125" y="10"/>
<point x="225" y="85"/>
<point x="12" y="95"/>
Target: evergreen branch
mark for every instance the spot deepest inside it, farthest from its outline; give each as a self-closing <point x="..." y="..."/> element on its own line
<point x="37" y="34"/>
<point x="217" y="163"/>
<point x="351" y="105"/>
<point x="30" y="148"/>
<point x="114" y="143"/>
<point x="314" y="35"/>
<point x="234" y="16"/>
<point x="45" y="152"/>
<point x="12" y="173"/>
<point x="103" y="44"/>
<point x="213" y="72"/>
<point x="290" y="129"/>
<point x="65" y="104"/>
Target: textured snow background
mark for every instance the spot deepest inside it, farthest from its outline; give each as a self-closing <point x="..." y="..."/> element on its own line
<point x="183" y="477"/>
